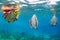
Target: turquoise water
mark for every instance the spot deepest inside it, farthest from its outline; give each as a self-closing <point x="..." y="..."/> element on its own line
<point x="20" y="29"/>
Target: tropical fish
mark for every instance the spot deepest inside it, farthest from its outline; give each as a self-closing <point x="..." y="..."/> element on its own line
<point x="54" y="20"/>
<point x="34" y="22"/>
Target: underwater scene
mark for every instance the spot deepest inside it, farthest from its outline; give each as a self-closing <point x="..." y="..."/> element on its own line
<point x="29" y="19"/>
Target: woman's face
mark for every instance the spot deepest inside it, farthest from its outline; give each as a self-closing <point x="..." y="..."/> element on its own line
<point x="7" y="9"/>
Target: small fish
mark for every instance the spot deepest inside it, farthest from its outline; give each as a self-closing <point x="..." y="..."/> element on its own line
<point x="54" y="20"/>
<point x="34" y="22"/>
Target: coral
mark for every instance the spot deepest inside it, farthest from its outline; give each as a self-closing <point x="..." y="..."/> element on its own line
<point x="22" y="36"/>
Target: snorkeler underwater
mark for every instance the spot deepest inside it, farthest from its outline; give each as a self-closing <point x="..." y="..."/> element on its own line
<point x="10" y="11"/>
<point x="29" y="19"/>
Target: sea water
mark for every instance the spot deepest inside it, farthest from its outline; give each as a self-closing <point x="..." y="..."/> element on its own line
<point x="20" y="29"/>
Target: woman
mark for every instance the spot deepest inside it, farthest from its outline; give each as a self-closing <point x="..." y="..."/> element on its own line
<point x="11" y="12"/>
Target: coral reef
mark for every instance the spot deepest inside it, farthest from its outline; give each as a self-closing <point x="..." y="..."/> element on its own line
<point x="22" y="36"/>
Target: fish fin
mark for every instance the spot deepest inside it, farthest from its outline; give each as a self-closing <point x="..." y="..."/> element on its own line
<point x="37" y="24"/>
<point x="30" y="23"/>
